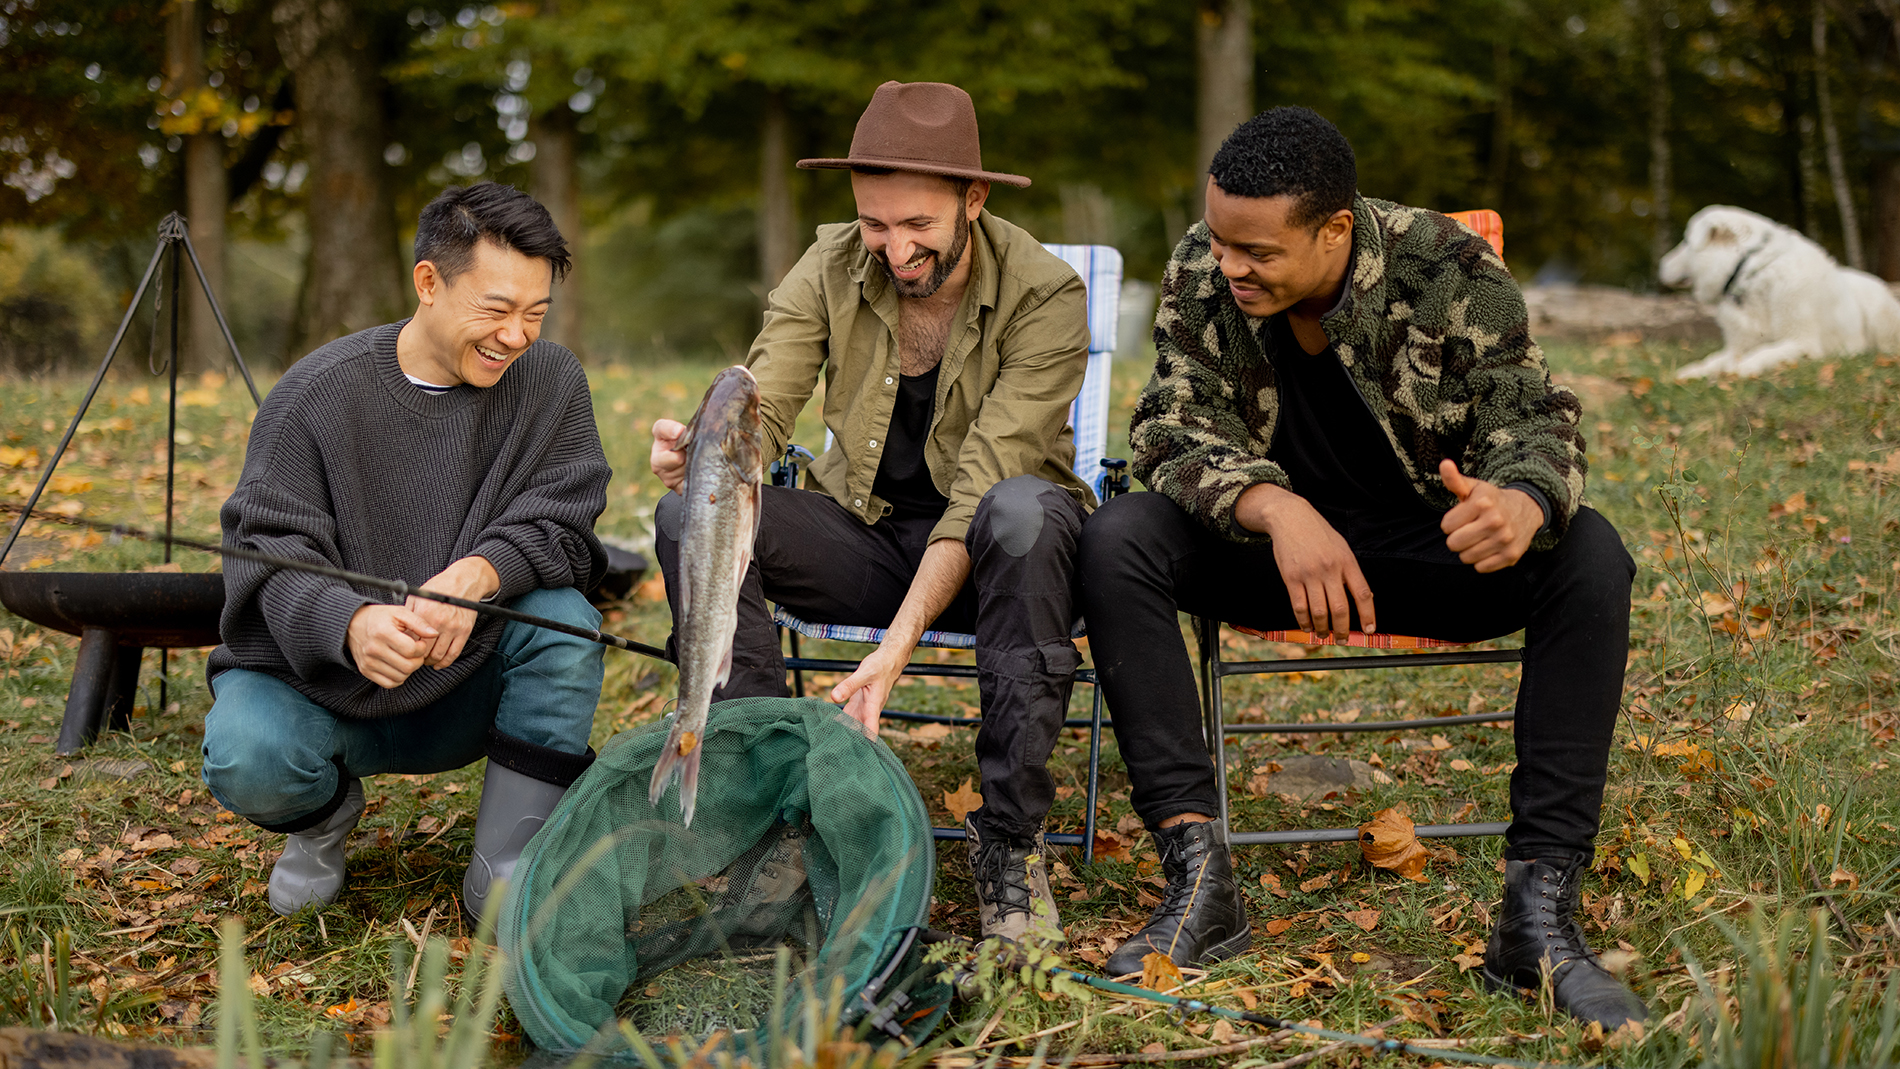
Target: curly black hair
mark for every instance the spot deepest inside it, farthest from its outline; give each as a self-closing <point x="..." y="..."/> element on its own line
<point x="1289" y="152"/>
<point x="460" y="216"/>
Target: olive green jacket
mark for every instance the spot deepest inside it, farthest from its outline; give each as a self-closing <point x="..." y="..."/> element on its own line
<point x="1013" y="362"/>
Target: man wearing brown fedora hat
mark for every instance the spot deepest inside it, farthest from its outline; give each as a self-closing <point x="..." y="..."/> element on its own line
<point x="952" y="344"/>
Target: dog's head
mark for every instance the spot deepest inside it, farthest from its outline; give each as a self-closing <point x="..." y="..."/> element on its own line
<point x="1713" y="244"/>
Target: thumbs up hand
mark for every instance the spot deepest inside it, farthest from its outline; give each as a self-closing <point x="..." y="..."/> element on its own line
<point x="1490" y="527"/>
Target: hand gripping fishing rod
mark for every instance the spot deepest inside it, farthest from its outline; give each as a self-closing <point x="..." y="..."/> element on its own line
<point x="375" y="582"/>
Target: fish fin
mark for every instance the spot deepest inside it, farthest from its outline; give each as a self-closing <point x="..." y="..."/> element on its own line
<point x="725" y="666"/>
<point x="744" y="448"/>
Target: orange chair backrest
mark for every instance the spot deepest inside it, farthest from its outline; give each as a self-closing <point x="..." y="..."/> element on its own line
<point x="1487" y="224"/>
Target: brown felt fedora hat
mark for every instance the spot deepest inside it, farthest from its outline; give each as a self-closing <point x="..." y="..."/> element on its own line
<point x="927" y="127"/>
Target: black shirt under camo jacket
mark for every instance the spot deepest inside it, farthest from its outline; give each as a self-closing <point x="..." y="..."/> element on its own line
<point x="1432" y="329"/>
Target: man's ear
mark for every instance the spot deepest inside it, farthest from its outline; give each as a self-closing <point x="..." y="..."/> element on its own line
<point x="428" y="282"/>
<point x="974" y="199"/>
<point x="1337" y="230"/>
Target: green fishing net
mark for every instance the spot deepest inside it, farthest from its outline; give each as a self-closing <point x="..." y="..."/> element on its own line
<point x="808" y="838"/>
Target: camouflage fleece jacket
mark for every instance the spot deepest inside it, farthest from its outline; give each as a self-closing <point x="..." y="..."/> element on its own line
<point x="1431" y="329"/>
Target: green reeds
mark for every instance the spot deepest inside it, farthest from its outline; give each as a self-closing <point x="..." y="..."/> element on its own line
<point x="1791" y="1007"/>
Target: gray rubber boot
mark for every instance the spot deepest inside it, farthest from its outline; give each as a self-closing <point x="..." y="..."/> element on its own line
<point x="310" y="870"/>
<point x="513" y="808"/>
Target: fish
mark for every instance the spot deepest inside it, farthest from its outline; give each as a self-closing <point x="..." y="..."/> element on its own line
<point x="725" y="451"/>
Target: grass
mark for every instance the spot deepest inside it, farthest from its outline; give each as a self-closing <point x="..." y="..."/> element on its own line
<point x="1751" y="778"/>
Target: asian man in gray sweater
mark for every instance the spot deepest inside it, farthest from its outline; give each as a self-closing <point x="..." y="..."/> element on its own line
<point x="452" y="450"/>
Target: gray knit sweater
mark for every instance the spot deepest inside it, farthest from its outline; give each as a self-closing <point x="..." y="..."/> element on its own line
<point x="351" y="465"/>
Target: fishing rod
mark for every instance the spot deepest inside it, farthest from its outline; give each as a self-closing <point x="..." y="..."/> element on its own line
<point x="375" y="582"/>
<point x="1185" y="1006"/>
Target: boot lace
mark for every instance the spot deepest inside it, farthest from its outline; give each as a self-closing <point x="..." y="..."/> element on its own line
<point x="1178" y="857"/>
<point x="1002" y="875"/>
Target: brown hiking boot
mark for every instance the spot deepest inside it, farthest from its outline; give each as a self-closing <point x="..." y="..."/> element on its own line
<point x="1012" y="889"/>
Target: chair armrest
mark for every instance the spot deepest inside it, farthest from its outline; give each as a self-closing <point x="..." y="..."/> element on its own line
<point x="784" y="470"/>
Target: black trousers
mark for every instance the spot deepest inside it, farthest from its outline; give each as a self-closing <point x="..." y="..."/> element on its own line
<point x="824" y="565"/>
<point x="1141" y="558"/>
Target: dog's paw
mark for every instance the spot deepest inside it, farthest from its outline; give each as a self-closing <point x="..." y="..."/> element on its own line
<point x="1714" y="364"/>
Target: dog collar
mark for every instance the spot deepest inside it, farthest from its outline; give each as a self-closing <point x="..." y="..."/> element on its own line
<point x="1728" y="287"/>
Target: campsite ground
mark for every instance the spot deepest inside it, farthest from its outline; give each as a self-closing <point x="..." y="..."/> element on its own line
<point x="1751" y="774"/>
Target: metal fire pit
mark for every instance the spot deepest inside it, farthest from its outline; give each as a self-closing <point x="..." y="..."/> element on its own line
<point x="117" y="616"/>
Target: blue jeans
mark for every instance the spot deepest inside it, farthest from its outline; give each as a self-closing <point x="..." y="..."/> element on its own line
<point x="273" y="756"/>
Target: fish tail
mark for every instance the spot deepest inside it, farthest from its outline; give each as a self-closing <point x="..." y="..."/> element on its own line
<point x="689" y="785"/>
<point x="666" y="769"/>
<point x="672" y="767"/>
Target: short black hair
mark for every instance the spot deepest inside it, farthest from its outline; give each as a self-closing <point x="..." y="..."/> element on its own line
<point x="961" y="185"/>
<point x="454" y="221"/>
<point x="1289" y="152"/>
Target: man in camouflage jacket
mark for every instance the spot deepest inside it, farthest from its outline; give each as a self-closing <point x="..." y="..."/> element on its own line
<point x="1347" y="400"/>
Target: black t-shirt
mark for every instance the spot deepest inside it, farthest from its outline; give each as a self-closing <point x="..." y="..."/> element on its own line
<point x="1339" y="458"/>
<point x="903" y="479"/>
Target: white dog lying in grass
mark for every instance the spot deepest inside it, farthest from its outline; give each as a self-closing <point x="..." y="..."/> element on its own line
<point x="1777" y="296"/>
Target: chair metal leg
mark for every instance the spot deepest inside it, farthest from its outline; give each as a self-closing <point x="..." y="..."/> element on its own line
<point x="798" y="675"/>
<point x="1095" y="776"/>
<point x="1212" y="726"/>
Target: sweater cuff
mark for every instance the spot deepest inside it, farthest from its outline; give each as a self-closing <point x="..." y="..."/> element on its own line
<point x="511" y="565"/>
<point x="329" y="622"/>
<point x="1536" y="495"/>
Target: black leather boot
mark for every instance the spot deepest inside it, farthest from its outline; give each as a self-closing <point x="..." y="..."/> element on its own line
<point x="1202" y="916"/>
<point x="1537" y="932"/>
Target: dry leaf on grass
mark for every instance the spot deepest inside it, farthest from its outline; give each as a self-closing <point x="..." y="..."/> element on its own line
<point x="1324" y="879"/>
<point x="1159" y="973"/>
<point x="1471" y="958"/>
<point x="1367" y="919"/>
<point x="1278" y="925"/>
<point x="1388" y="842"/>
<point x="1272" y="884"/>
<point x="962" y="802"/>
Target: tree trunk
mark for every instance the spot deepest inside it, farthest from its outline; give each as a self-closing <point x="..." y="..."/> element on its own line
<point x="1223" y="47"/>
<point x="1831" y="137"/>
<point x="555" y="178"/>
<point x="206" y="195"/>
<point x="778" y="214"/>
<point x="354" y="279"/>
<point x="1500" y="167"/>
<point x="1886" y="208"/>
<point x="1662" y="225"/>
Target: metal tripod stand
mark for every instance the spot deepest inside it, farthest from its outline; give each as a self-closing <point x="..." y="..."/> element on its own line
<point x="118" y="615"/>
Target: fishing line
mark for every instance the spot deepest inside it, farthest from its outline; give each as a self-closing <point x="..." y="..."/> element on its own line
<point x="376" y="582"/>
<point x="1185" y="1006"/>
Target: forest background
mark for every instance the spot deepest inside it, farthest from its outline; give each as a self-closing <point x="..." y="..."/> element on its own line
<point x="301" y="136"/>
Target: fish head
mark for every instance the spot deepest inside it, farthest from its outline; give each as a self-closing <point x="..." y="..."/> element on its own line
<point x="729" y="416"/>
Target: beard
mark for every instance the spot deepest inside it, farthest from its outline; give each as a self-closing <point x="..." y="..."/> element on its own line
<point x="946" y="262"/>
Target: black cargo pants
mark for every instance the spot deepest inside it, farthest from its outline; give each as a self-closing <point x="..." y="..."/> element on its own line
<point x="1142" y="558"/>
<point x="825" y="565"/>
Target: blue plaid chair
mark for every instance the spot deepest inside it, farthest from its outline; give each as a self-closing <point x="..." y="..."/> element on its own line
<point x="1101" y="269"/>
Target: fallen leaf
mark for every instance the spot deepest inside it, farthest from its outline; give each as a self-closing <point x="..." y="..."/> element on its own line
<point x="962" y="802"/>
<point x="1324" y="879"/>
<point x="1361" y="957"/>
<point x="1460" y="765"/>
<point x="1367" y="919"/>
<point x="1223" y="1032"/>
<point x="1278" y="925"/>
<point x="1440" y="742"/>
<point x="1159" y="972"/>
<point x="1842" y="876"/>
<point x="69" y="484"/>
<point x="1471" y="958"/>
<point x="1155" y="1048"/>
<point x="1389" y="842"/>
<point x="1112" y="846"/>
<point x="1271" y="882"/>
<point x="1692" y="882"/>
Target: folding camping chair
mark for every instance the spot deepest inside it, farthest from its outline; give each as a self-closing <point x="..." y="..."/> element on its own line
<point x="1101" y="269"/>
<point x="1488" y="225"/>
